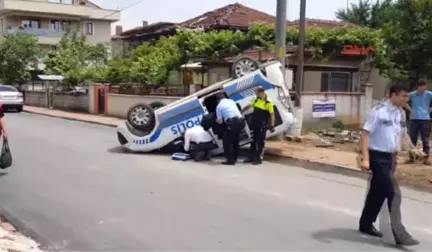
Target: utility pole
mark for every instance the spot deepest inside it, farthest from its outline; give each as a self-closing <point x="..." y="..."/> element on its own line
<point x="281" y="27"/>
<point x="300" y="52"/>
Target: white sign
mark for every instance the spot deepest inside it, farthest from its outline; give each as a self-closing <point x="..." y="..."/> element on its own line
<point x="322" y="109"/>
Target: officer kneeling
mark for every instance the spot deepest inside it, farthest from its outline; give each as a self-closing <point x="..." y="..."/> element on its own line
<point x="197" y="140"/>
<point x="262" y="117"/>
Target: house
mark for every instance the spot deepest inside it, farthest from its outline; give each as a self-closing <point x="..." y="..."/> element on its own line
<point x="230" y="17"/>
<point x="49" y="19"/>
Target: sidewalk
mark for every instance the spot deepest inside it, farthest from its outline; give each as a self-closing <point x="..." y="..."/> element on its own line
<point x="11" y="240"/>
<point x="342" y="159"/>
<point x="96" y="119"/>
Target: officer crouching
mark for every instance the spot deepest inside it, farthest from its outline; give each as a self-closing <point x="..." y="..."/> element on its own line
<point x="262" y="118"/>
<point x="381" y="139"/>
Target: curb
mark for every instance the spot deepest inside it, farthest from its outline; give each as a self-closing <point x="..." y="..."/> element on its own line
<point x="70" y="118"/>
<point x="24" y="229"/>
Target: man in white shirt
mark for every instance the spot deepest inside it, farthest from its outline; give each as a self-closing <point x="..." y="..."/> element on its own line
<point x="198" y="143"/>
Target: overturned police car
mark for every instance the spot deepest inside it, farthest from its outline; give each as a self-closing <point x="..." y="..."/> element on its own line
<point x="150" y="127"/>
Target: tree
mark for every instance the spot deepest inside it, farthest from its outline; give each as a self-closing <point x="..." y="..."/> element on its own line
<point x="409" y="37"/>
<point x="76" y="60"/>
<point x="18" y="54"/>
<point x="365" y="13"/>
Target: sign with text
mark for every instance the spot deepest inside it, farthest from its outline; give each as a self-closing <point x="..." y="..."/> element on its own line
<point x="324" y="108"/>
<point x="357" y="50"/>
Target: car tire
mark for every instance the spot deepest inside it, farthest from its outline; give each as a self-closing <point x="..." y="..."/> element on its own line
<point x="19" y="109"/>
<point x="244" y="65"/>
<point x="155" y="105"/>
<point x="142" y="117"/>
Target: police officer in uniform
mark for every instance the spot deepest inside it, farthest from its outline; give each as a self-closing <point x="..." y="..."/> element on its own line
<point x="228" y="114"/>
<point x="262" y="119"/>
<point x="380" y="141"/>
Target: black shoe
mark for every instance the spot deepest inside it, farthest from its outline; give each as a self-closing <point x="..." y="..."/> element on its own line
<point x="371" y="231"/>
<point x="257" y="162"/>
<point x="228" y="163"/>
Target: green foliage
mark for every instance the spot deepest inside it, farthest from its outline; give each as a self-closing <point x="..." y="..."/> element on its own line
<point x="77" y="61"/>
<point x="151" y="63"/>
<point x="18" y="53"/>
<point x="409" y="38"/>
<point x="367" y="13"/>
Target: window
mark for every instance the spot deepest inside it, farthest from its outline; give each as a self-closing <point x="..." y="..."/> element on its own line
<point x="336" y="81"/>
<point x="89" y="29"/>
<point x="4" y="88"/>
<point x="30" y="24"/>
<point x="60" y="25"/>
<point x="53" y="48"/>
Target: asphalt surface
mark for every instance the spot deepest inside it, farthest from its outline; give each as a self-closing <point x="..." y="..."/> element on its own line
<point x="72" y="187"/>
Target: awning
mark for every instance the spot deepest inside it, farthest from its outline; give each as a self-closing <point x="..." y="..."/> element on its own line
<point x="50" y="77"/>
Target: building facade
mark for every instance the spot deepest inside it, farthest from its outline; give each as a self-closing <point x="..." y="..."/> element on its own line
<point x="48" y="20"/>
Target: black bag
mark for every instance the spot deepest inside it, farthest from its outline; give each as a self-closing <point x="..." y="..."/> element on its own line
<point x="6" y="155"/>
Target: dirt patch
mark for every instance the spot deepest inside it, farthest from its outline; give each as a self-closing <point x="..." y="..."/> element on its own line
<point x="414" y="175"/>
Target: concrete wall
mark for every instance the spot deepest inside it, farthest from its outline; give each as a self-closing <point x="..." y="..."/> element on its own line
<point x="72" y="103"/>
<point x="59" y="101"/>
<point x="119" y="104"/>
<point x="35" y="98"/>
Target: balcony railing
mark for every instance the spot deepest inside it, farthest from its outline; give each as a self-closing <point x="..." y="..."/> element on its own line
<point x="40" y="32"/>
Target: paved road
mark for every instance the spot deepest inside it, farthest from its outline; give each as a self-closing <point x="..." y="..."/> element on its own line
<point x="69" y="186"/>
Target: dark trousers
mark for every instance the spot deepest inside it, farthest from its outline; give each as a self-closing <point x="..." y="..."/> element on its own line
<point x="422" y="128"/>
<point x="200" y="151"/>
<point x="383" y="186"/>
<point x="231" y="138"/>
<point x="258" y="140"/>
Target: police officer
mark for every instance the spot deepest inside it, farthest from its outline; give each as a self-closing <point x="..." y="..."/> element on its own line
<point x="262" y="119"/>
<point x="380" y="140"/>
<point x="228" y="113"/>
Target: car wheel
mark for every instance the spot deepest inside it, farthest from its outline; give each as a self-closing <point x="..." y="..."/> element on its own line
<point x="19" y="109"/>
<point x="244" y="65"/>
<point x="141" y="117"/>
<point x="156" y="105"/>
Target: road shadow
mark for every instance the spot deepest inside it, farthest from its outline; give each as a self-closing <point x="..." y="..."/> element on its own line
<point x="354" y="236"/>
<point x="3" y="174"/>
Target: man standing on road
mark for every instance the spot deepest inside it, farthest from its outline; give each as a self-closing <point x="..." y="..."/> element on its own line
<point x="420" y="117"/>
<point x="380" y="141"/>
<point x="228" y="113"/>
<point x="262" y="118"/>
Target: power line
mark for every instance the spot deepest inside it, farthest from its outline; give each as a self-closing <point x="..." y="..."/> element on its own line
<point x="124" y="8"/>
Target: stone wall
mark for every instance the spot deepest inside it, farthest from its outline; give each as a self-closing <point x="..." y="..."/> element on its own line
<point x="36" y="98"/>
<point x="71" y="102"/>
<point x="59" y="101"/>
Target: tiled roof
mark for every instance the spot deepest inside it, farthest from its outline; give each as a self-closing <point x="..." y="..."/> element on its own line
<point x="147" y="28"/>
<point x="321" y="23"/>
<point x="231" y="16"/>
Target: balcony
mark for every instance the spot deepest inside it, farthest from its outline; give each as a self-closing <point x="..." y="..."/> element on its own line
<point x="45" y="7"/>
<point x="45" y="36"/>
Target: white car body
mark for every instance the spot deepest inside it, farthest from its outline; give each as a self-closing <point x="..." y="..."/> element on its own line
<point x="177" y="117"/>
<point x="11" y="98"/>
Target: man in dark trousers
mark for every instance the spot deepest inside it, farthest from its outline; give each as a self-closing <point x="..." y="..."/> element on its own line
<point x="228" y="113"/>
<point x="381" y="139"/>
<point x="197" y="140"/>
<point x="420" y="117"/>
<point x="262" y="119"/>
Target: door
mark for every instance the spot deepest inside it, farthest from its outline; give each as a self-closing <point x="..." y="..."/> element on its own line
<point x="101" y="100"/>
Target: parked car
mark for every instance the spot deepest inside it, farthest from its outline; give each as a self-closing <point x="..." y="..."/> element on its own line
<point x="148" y="129"/>
<point x="11" y="98"/>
